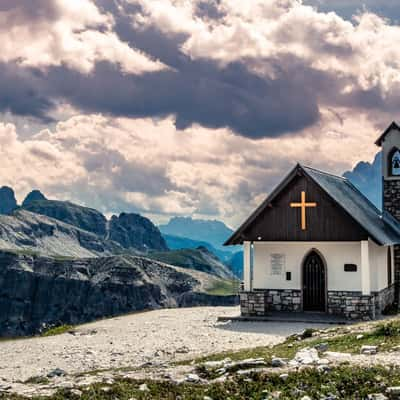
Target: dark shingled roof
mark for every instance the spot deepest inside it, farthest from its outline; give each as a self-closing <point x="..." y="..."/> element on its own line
<point x="382" y="227"/>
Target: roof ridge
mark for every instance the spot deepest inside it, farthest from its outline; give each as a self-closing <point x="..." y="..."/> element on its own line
<point x="324" y="172"/>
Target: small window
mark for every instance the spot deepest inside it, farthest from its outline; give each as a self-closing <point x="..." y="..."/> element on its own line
<point x="389" y="266"/>
<point x="288" y="276"/>
<point x="350" y="267"/>
<point x="394" y="162"/>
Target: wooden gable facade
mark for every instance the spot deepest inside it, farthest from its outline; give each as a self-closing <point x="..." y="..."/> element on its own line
<point x="277" y="220"/>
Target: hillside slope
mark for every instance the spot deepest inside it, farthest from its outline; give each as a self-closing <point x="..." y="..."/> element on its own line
<point x="36" y="292"/>
<point x="200" y="259"/>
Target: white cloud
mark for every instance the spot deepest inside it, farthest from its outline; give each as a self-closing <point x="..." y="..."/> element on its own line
<point x="364" y="51"/>
<point x="118" y="164"/>
<point x="74" y="33"/>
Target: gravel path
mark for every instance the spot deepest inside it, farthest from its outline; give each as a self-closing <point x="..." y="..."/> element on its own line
<point x="128" y="341"/>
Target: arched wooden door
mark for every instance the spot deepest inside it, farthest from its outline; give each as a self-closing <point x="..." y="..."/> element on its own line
<point x="314" y="283"/>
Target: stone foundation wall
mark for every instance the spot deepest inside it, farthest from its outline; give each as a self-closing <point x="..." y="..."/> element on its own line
<point x="384" y="298"/>
<point x="351" y="305"/>
<point x="259" y="302"/>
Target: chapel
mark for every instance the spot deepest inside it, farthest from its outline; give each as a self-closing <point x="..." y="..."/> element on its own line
<point x="317" y="244"/>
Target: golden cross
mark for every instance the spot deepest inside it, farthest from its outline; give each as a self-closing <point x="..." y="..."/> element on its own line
<point x="303" y="206"/>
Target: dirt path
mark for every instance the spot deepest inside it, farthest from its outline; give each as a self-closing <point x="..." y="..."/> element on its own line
<point x="132" y="340"/>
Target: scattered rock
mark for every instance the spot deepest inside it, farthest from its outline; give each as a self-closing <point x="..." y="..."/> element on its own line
<point x="284" y="376"/>
<point x="377" y="396"/>
<point x="192" y="378"/>
<point x="182" y="350"/>
<point x="393" y="390"/>
<point x="56" y="372"/>
<point x="306" y="398"/>
<point x="358" y="337"/>
<point x="277" y="362"/>
<point x="369" y="350"/>
<point x="321" y="347"/>
<point x="76" y="392"/>
<point x="307" y="356"/>
<point x="144" y="388"/>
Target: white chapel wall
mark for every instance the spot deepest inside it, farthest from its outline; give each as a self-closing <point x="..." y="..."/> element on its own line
<point x="336" y="254"/>
<point x="378" y="266"/>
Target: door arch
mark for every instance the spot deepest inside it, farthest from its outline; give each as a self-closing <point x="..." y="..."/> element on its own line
<point x="314" y="282"/>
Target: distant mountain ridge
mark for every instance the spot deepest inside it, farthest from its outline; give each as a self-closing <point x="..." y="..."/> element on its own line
<point x="210" y="231"/>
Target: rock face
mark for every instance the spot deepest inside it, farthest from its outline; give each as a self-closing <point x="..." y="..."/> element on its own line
<point x="37" y="291"/>
<point x="35" y="195"/>
<point x="135" y="231"/>
<point x="85" y="218"/>
<point x="7" y="200"/>
<point x="29" y="232"/>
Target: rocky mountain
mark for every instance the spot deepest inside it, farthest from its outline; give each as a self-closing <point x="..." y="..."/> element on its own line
<point x="135" y="231"/>
<point x="28" y="232"/>
<point x="8" y="203"/>
<point x="85" y="218"/>
<point x="34" y="195"/>
<point x="367" y="177"/>
<point x="37" y="292"/>
<point x="200" y="259"/>
<point x="131" y="231"/>
<point x="213" y="232"/>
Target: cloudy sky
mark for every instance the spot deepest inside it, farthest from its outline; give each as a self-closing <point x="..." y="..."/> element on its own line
<point x="179" y="107"/>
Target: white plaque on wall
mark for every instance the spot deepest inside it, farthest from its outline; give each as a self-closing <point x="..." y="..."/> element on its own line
<point x="277" y="263"/>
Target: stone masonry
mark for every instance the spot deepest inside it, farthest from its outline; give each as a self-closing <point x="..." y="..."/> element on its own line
<point x="351" y="305"/>
<point x="259" y="302"/>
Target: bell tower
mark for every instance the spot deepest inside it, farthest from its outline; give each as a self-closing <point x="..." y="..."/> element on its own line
<point x="389" y="141"/>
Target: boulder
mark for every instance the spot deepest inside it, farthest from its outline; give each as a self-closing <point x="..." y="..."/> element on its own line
<point x="277" y="362"/>
<point x="369" y="350"/>
<point x="307" y="356"/>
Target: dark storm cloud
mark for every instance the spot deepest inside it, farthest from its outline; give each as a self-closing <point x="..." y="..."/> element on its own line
<point x="30" y="11"/>
<point x="348" y="8"/>
<point x="23" y="92"/>
<point x="193" y="90"/>
<point x="199" y="92"/>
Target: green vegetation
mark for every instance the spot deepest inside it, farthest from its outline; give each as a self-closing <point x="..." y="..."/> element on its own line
<point x="343" y="382"/>
<point x="384" y="335"/>
<point x="57" y="330"/>
<point x="223" y="288"/>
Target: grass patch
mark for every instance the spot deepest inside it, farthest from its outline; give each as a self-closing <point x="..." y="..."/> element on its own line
<point x="57" y="330"/>
<point x="343" y="382"/>
<point x="384" y="335"/>
<point x="223" y="288"/>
